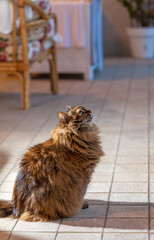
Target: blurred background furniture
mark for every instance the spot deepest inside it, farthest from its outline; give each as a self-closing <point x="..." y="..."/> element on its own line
<point x="80" y="25"/>
<point x="27" y="31"/>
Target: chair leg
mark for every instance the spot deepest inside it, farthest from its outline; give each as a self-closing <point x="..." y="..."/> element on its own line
<point x="53" y="73"/>
<point x="26" y="91"/>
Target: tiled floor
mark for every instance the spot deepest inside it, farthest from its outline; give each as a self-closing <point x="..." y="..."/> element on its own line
<point x="121" y="194"/>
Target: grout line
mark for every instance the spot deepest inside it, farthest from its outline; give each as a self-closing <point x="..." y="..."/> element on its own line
<point x="40" y="130"/>
<point x="115" y="162"/>
<point x="58" y="229"/>
<point x="9" y="236"/>
<point x="59" y="100"/>
<point x="32" y="140"/>
<point x="101" y="110"/>
<point x="27" y="112"/>
<point x="123" y="117"/>
<point x="102" y="106"/>
<point x="13" y="229"/>
<point x="10" y="104"/>
<point x="148" y="135"/>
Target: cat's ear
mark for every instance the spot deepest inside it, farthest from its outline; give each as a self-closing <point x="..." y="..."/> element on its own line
<point x="68" y="108"/>
<point x="64" y="117"/>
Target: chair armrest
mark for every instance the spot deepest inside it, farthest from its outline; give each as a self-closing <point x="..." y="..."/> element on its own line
<point x="21" y="3"/>
<point x="39" y="22"/>
<point x="27" y="27"/>
<point x="53" y="15"/>
<point x="36" y="23"/>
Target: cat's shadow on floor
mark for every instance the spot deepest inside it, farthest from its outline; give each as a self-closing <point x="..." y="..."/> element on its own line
<point x="120" y="215"/>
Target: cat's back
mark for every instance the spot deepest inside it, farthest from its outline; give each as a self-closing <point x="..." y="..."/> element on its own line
<point x="39" y="157"/>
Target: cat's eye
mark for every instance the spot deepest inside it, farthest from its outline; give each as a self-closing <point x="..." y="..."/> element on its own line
<point x="80" y="112"/>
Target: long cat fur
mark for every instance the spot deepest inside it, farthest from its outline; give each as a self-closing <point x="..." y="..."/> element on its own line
<point x="54" y="175"/>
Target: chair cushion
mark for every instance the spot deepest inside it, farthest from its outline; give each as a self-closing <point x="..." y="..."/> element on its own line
<point x="38" y="33"/>
<point x="31" y="14"/>
<point x="34" y="48"/>
<point x="34" y="37"/>
<point x="44" y="4"/>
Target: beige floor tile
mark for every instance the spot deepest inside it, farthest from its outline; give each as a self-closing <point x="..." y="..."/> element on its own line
<point x="8" y="158"/>
<point x="152" y="197"/>
<point x="108" y="159"/>
<point x="5" y="167"/>
<point x="96" y="198"/>
<point x="152" y="168"/>
<point x="152" y="151"/>
<point x="101" y="177"/>
<point x="7" y="224"/>
<point x="134" y="145"/>
<point x="131" y="177"/>
<point x="79" y="236"/>
<point x="152" y="210"/>
<point x="129" y="198"/>
<point x="5" y="195"/>
<point x="98" y="187"/>
<point x="134" y="168"/>
<point x="32" y="236"/>
<point x="152" y="224"/>
<point x="3" y="135"/>
<point x="23" y="226"/>
<point x="4" y="235"/>
<point x="130" y="187"/>
<point x="104" y="168"/>
<point x="128" y="211"/>
<point x="4" y="170"/>
<point x="82" y="225"/>
<point x="93" y="211"/>
<point x="12" y="174"/>
<point x="125" y="236"/>
<point x="152" y="158"/>
<point x="13" y="148"/>
<point x="126" y="225"/>
<point x="152" y="187"/>
<point x="6" y="187"/>
<point x="110" y="151"/>
<point x="7" y="124"/>
<point x="151" y="236"/>
<point x="132" y="159"/>
<point x="21" y="136"/>
<point x="133" y="151"/>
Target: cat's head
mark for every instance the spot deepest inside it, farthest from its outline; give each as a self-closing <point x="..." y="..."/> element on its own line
<point x="76" y="118"/>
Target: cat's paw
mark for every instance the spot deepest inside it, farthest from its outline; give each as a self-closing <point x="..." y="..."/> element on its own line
<point x="85" y="205"/>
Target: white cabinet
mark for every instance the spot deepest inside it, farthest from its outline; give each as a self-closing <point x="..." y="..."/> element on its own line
<point x="80" y="24"/>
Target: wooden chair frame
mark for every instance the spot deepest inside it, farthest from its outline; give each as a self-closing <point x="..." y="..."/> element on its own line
<point x="21" y="68"/>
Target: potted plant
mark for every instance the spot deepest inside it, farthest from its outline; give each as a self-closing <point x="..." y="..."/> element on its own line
<point x="141" y="32"/>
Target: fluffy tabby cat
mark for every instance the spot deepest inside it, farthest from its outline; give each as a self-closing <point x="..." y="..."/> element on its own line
<point x="54" y="175"/>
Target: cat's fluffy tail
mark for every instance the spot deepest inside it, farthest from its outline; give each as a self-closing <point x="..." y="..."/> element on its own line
<point x="6" y="208"/>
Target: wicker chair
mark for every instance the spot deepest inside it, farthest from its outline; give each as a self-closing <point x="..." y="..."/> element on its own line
<point x="15" y="59"/>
